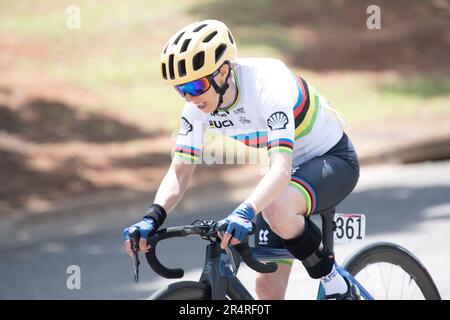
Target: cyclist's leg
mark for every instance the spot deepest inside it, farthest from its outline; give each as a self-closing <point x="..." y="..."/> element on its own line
<point x="316" y="185"/>
<point x="272" y="286"/>
<point x="324" y="181"/>
<point x="285" y="215"/>
<point x="284" y="218"/>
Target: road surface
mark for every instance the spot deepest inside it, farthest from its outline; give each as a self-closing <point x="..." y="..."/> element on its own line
<point x="409" y="205"/>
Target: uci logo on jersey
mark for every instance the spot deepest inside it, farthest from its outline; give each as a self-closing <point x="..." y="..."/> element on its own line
<point x="219" y="124"/>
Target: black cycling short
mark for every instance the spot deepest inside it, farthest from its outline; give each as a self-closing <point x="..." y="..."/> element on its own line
<point x="326" y="180"/>
<point x="323" y="181"/>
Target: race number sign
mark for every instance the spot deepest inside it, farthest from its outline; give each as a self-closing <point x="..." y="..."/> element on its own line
<point x="349" y="227"/>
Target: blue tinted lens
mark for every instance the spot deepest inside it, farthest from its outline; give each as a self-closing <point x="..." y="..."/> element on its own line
<point x="194" y="88"/>
<point x="180" y="90"/>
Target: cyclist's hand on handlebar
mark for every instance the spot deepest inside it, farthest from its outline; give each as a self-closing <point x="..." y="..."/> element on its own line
<point x="239" y="225"/>
<point x="145" y="226"/>
<point x="153" y="219"/>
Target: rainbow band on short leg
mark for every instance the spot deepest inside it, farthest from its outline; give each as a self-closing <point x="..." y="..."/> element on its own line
<point x="289" y="262"/>
<point x="307" y="191"/>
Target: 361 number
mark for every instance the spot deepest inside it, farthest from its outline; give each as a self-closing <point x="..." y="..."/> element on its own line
<point x="346" y="228"/>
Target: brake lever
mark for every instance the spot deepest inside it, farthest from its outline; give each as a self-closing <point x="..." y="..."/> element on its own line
<point x="134" y="239"/>
<point x="221" y="228"/>
<point x="230" y="254"/>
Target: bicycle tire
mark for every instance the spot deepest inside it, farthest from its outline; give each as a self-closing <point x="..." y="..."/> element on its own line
<point x="386" y="252"/>
<point x="183" y="290"/>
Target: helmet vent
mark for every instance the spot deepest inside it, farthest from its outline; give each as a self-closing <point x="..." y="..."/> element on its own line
<point x="209" y="37"/>
<point x="231" y="37"/>
<point x="220" y="51"/>
<point x="200" y="27"/>
<point x="182" y="68"/>
<point x="171" y="72"/>
<point x="199" y="60"/>
<point x="185" y="45"/>
<point x="178" y="38"/>
<point x="164" y="72"/>
<point x="165" y="48"/>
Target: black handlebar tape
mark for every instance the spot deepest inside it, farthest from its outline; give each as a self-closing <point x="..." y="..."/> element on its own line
<point x="153" y="261"/>
<point x="162" y="270"/>
<point x="244" y="250"/>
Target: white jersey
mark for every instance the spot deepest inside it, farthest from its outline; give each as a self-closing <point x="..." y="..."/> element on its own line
<point x="273" y="108"/>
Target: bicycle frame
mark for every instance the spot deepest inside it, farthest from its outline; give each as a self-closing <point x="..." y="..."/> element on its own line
<point x="366" y="295"/>
<point x="222" y="280"/>
<point x="218" y="280"/>
<point x="328" y="228"/>
<point x="218" y="273"/>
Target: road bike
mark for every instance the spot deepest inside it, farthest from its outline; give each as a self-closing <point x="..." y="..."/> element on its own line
<point x="380" y="270"/>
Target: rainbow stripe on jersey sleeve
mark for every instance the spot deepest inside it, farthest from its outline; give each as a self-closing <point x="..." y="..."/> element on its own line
<point x="280" y="145"/>
<point x="187" y="153"/>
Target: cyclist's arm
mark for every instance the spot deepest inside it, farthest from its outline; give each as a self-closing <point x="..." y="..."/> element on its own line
<point x="187" y="153"/>
<point x="273" y="183"/>
<point x="278" y="94"/>
<point x="169" y="193"/>
<point x="174" y="184"/>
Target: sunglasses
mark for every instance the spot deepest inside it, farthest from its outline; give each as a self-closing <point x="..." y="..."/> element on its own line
<point x="197" y="87"/>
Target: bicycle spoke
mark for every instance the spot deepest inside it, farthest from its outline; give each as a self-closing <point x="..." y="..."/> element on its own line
<point x="385" y="280"/>
<point x="368" y="278"/>
<point x="389" y="279"/>
<point x="382" y="281"/>
<point x="403" y="283"/>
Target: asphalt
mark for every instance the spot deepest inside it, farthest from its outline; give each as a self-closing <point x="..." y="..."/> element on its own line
<point x="405" y="204"/>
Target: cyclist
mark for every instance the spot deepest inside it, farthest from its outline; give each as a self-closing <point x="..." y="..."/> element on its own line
<point x="260" y="102"/>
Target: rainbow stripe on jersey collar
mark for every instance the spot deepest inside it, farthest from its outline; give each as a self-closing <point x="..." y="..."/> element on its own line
<point x="236" y="96"/>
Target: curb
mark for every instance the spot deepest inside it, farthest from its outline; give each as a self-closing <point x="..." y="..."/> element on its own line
<point x="429" y="149"/>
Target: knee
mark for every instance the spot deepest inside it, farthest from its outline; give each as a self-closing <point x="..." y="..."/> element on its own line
<point x="267" y="289"/>
<point x="275" y="211"/>
<point x="273" y="214"/>
<point x="282" y="218"/>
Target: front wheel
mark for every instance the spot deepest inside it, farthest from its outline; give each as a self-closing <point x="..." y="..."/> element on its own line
<point x="183" y="290"/>
<point x="389" y="271"/>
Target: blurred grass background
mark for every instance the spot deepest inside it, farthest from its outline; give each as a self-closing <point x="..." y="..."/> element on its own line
<point x="95" y="99"/>
<point x="115" y="53"/>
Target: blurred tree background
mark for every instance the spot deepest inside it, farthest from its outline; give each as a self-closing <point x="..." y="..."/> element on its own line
<point x="83" y="111"/>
